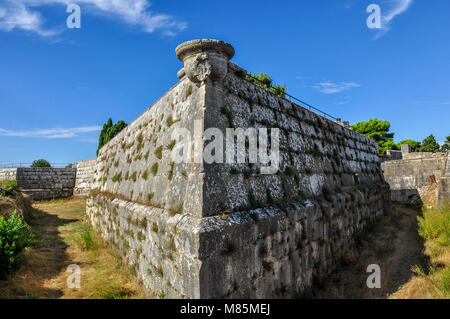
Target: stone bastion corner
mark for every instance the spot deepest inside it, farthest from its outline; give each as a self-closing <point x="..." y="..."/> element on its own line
<point x="224" y="230"/>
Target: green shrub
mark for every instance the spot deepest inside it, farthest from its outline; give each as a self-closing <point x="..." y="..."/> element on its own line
<point x="15" y="236"/>
<point x="40" y="163"/>
<point x="10" y="185"/>
<point x="265" y="81"/>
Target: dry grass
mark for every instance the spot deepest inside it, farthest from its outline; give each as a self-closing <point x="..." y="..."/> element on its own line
<point x="432" y="282"/>
<point x="62" y="227"/>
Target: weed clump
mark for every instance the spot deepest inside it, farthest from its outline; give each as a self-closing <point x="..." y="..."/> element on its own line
<point x="172" y="166"/>
<point x="85" y="240"/>
<point x="171" y="144"/>
<point x="158" y="152"/>
<point x="189" y="91"/>
<point x="155" y="169"/>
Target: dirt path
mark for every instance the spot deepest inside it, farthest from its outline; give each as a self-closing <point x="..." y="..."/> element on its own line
<point x="393" y="244"/>
<point x="60" y="226"/>
<point x="409" y="250"/>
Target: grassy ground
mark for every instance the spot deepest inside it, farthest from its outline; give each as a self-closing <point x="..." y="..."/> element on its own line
<point x="66" y="238"/>
<point x="432" y="281"/>
<point x="393" y="244"/>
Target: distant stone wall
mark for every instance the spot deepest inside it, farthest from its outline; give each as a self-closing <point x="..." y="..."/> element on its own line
<point x="84" y="177"/>
<point x="393" y="155"/>
<point x="410" y="177"/>
<point x="7" y="174"/>
<point x="42" y="183"/>
<point x="444" y="187"/>
<point x="46" y="183"/>
<point x="226" y="230"/>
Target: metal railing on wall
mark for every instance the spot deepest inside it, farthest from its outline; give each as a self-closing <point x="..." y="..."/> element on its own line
<point x="24" y="165"/>
<point x="291" y="98"/>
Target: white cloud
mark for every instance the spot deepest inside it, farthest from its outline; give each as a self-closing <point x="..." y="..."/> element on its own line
<point x="329" y="87"/>
<point x="398" y="7"/>
<point x="392" y="9"/>
<point x="17" y="15"/>
<point x="22" y="14"/>
<point x="51" y="133"/>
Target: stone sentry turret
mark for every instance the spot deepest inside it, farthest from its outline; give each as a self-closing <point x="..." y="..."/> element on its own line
<point x="224" y="230"/>
<point x="204" y="59"/>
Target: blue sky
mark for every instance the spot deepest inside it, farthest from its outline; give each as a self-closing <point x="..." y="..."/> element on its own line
<point x="59" y="85"/>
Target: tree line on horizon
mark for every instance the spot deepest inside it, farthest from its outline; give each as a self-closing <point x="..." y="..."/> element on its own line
<point x="378" y="130"/>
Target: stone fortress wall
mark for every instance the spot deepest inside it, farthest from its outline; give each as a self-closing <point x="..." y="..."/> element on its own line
<point x="200" y="230"/>
<point x="42" y="183"/>
<point x="84" y="177"/>
<point x="412" y="176"/>
<point x="52" y="183"/>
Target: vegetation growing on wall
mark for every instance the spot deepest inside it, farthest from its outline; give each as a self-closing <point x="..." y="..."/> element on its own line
<point x="265" y="81"/>
<point x="155" y="169"/>
<point x="109" y="131"/>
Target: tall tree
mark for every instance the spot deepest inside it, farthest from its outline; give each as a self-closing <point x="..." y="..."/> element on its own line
<point x="446" y="145"/>
<point x="415" y="146"/>
<point x="430" y="145"/>
<point x="109" y="131"/>
<point x="379" y="131"/>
